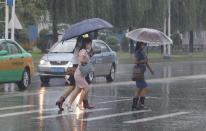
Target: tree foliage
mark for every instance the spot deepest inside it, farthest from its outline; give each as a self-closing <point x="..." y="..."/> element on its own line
<point x="42" y="41"/>
<point x="185" y="14"/>
<point x="29" y="12"/>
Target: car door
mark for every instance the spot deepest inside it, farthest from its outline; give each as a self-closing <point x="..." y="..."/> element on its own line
<point x="5" y="63"/>
<point x="107" y="59"/>
<point x="102" y="60"/>
<point x="17" y="61"/>
<point x="97" y="59"/>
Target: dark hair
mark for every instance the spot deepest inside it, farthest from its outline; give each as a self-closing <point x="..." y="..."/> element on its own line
<point x="79" y="38"/>
<point x="85" y="41"/>
<point x="138" y="45"/>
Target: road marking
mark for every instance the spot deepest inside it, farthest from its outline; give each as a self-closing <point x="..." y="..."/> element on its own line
<point x="16" y="107"/>
<point x="85" y="111"/>
<point x="113" y="101"/>
<point x="108" y="96"/>
<point x="155" y="117"/>
<point x="27" y="112"/>
<point x="114" y="115"/>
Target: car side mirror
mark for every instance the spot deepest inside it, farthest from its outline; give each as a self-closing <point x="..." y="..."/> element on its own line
<point x="97" y="51"/>
<point x="3" y="52"/>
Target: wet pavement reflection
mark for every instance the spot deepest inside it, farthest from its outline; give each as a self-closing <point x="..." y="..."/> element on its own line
<point x="175" y="103"/>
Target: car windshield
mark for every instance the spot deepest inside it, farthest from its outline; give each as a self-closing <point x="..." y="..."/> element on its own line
<point x="65" y="47"/>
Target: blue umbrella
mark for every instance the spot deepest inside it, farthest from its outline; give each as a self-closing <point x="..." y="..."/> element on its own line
<point x="86" y="26"/>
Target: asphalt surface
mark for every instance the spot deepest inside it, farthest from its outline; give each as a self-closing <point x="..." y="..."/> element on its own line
<point x="175" y="101"/>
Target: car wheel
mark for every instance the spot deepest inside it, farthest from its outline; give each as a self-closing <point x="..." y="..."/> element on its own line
<point x="25" y="81"/>
<point x="111" y="76"/>
<point x="44" y="80"/>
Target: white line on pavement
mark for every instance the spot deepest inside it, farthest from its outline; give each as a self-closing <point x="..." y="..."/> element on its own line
<point x="114" y="115"/>
<point x="108" y="96"/>
<point x="16" y="107"/>
<point x="27" y="112"/>
<point x="105" y="102"/>
<point x="113" y="101"/>
<point x="155" y="117"/>
<point x="85" y="111"/>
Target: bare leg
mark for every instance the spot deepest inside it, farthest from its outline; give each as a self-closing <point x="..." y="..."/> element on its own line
<point x="144" y="92"/>
<point x="73" y="97"/>
<point x="83" y="94"/>
<point x="86" y="95"/>
<point x="138" y="92"/>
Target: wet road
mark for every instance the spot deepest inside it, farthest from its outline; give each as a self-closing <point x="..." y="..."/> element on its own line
<point x="176" y="102"/>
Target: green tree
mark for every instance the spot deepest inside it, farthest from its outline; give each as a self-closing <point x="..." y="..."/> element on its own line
<point x="42" y="41"/>
<point x="30" y="12"/>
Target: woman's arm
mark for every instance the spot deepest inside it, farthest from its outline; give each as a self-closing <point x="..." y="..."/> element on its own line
<point x="150" y="69"/>
<point x="82" y="59"/>
<point x="137" y="61"/>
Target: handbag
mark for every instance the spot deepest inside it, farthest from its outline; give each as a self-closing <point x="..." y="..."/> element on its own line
<point x="71" y="70"/>
<point x="85" y="69"/>
<point x="138" y="73"/>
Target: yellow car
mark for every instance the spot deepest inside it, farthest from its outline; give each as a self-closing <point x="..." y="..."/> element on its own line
<point x="16" y="65"/>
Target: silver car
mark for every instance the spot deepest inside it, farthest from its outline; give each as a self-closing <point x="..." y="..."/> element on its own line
<point x="59" y="58"/>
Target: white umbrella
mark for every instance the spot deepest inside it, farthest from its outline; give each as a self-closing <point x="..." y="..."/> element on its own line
<point x="149" y="36"/>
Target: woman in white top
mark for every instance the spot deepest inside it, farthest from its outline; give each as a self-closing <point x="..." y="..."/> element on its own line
<point x="71" y="80"/>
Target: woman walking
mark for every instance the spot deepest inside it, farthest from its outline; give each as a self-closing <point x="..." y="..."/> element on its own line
<point x="81" y="83"/>
<point x="141" y="61"/>
<point x="71" y="80"/>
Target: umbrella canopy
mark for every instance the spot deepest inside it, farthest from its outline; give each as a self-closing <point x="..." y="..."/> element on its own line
<point x="150" y="36"/>
<point x="86" y="26"/>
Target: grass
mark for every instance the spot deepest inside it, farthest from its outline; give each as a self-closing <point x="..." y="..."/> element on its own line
<point x="36" y="54"/>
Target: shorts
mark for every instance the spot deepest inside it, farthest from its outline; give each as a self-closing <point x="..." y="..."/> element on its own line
<point x="141" y="84"/>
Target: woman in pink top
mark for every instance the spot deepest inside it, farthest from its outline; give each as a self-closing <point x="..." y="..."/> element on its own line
<point x="81" y="84"/>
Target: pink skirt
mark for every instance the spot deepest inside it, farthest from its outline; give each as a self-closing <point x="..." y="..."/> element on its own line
<point x="80" y="80"/>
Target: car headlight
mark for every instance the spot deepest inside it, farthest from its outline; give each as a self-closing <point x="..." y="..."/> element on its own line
<point x="70" y="64"/>
<point x="43" y="62"/>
